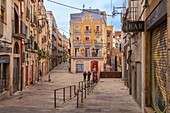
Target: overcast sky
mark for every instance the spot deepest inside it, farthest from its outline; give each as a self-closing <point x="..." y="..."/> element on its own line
<point x="62" y="14"/>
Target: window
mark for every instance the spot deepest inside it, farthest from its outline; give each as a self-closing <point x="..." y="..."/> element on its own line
<point x="97" y="39"/>
<point x="76" y="51"/>
<point x="87" y="38"/>
<point x="16" y="48"/>
<point x="26" y="33"/>
<point x="87" y="28"/>
<point x="76" y="28"/>
<point x="97" y="28"/>
<point x="76" y="38"/>
<point x="87" y="52"/>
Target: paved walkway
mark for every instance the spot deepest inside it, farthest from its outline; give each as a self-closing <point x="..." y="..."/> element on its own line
<point x="110" y="96"/>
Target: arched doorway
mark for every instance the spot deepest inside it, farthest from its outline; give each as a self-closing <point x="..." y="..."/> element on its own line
<point x="16" y="69"/>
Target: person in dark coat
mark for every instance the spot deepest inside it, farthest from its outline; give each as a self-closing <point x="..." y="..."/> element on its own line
<point x="84" y="74"/>
<point x="89" y="74"/>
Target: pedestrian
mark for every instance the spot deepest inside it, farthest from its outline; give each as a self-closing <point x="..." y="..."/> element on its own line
<point x="89" y="74"/>
<point x="40" y="73"/>
<point x="84" y="74"/>
<point x="94" y="76"/>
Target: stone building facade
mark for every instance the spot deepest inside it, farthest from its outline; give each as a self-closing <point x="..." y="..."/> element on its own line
<point x="88" y="32"/>
<point x="146" y="54"/>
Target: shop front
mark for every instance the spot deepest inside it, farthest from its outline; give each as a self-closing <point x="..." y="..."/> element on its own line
<point x="156" y="26"/>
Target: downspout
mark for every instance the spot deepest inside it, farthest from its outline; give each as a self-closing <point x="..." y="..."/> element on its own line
<point x="21" y="82"/>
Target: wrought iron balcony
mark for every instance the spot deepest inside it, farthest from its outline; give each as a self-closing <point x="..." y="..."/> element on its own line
<point x="87" y="42"/>
<point x="77" y="31"/>
<point x="1" y="27"/>
<point x="77" y="42"/>
<point x="28" y="44"/>
<point x="98" y="31"/>
<point x="87" y="31"/>
<point x="33" y="20"/>
<point x="98" y="43"/>
<point x="18" y="29"/>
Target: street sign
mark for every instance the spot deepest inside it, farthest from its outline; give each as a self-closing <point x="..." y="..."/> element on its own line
<point x="135" y="26"/>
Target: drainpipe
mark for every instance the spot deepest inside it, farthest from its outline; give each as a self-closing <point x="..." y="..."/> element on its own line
<point x="21" y="48"/>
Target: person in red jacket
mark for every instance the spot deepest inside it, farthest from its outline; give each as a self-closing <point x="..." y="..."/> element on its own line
<point x="94" y="74"/>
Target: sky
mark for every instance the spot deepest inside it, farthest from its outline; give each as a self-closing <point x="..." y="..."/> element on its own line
<point x="62" y="14"/>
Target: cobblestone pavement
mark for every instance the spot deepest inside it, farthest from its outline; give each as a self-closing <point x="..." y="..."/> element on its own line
<point x="109" y="96"/>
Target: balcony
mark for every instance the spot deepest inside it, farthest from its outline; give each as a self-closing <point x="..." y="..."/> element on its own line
<point x="28" y="44"/>
<point x="1" y="27"/>
<point x="33" y="1"/>
<point x="33" y="20"/>
<point x="98" y="43"/>
<point x="87" y="42"/>
<point x="27" y="13"/>
<point x="77" y="32"/>
<point x="98" y="32"/>
<point x="77" y="42"/>
<point x="18" y="29"/>
<point x="87" y="31"/>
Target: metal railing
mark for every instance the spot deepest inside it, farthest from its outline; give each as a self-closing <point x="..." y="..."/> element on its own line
<point x="65" y="95"/>
<point x="18" y="27"/>
<point x="85" y="88"/>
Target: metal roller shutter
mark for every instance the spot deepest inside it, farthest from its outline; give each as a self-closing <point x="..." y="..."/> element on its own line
<point x="159" y="68"/>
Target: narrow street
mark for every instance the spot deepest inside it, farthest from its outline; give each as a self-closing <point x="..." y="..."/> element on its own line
<point x="109" y="96"/>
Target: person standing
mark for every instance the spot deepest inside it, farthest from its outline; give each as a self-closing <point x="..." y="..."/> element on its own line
<point x="89" y="74"/>
<point x="40" y="73"/>
<point x="84" y="75"/>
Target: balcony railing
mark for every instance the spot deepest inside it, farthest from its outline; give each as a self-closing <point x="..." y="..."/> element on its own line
<point x="18" y="28"/>
<point x="99" y="43"/>
<point x="27" y="13"/>
<point x="87" y="42"/>
<point x="1" y="27"/>
<point x="97" y="31"/>
<point x="77" y="42"/>
<point x="84" y="54"/>
<point x="77" y="31"/>
<point x="28" y="44"/>
<point x="87" y="31"/>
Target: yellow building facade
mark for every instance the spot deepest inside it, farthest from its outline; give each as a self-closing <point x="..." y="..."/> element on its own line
<point x="88" y="39"/>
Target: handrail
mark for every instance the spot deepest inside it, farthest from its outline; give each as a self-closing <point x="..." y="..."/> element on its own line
<point x="85" y="89"/>
<point x="64" y="93"/>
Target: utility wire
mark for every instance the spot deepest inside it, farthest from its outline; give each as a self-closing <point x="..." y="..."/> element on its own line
<point x="63" y="30"/>
<point x="76" y="8"/>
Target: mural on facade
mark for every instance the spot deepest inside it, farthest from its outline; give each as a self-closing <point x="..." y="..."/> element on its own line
<point x="159" y="69"/>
